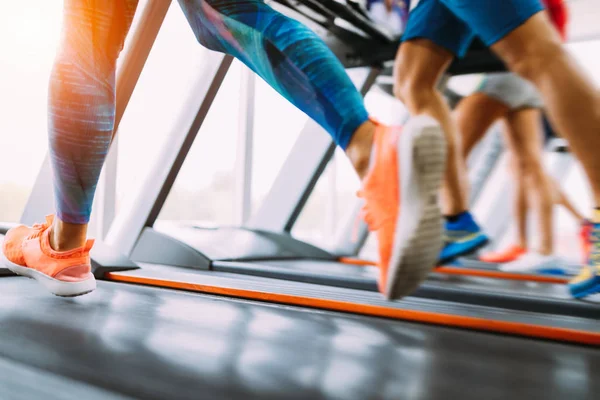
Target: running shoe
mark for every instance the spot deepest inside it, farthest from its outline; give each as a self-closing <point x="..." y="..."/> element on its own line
<point x="505" y="256"/>
<point x="536" y="263"/>
<point x="406" y="170"/>
<point x="26" y="251"/>
<point x="462" y="237"/>
<point x="584" y="236"/>
<point x="588" y="281"/>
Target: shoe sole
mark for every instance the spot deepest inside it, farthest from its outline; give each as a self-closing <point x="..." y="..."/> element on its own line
<point x="418" y="237"/>
<point x="580" y="294"/>
<point x="465" y="252"/>
<point x="543" y="270"/>
<point x="585" y="288"/>
<point x="55" y="286"/>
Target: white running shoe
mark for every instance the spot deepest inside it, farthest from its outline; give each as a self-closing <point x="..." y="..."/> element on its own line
<point x="533" y="262"/>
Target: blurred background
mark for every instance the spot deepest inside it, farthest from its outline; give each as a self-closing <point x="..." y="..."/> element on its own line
<point x="205" y="189"/>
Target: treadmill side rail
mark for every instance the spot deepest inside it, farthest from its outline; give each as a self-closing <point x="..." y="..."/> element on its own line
<point x="158" y="248"/>
<point x="198" y="248"/>
<point x="106" y="259"/>
<point x="429" y="311"/>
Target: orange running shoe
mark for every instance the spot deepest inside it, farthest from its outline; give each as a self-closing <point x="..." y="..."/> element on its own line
<point x="26" y="251"/>
<point x="506" y="256"/>
<point x="585" y="233"/>
<point x="406" y="169"/>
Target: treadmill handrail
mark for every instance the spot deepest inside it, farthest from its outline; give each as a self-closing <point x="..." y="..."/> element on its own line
<point x="332" y="10"/>
<point x="347" y="13"/>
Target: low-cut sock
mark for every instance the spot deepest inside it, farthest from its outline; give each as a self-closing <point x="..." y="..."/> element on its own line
<point x="456" y="217"/>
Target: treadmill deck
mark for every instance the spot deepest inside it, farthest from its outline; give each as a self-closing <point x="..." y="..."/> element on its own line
<point x="125" y="341"/>
<point x="432" y="311"/>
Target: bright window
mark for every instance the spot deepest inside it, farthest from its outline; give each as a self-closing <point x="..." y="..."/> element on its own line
<point x="158" y="101"/>
<point x="30" y="33"/>
<point x="204" y="189"/>
<point x="277" y="125"/>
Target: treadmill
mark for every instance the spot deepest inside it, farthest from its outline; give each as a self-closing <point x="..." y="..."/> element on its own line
<point x="264" y="255"/>
<point x="262" y="261"/>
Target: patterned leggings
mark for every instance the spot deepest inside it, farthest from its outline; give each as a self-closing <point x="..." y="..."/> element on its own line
<point x="285" y="53"/>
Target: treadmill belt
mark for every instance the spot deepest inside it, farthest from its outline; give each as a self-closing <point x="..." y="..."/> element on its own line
<point x="513" y="295"/>
<point x="16" y="382"/>
<point x="555" y="327"/>
<point x="128" y="341"/>
<point x="495" y="274"/>
<point x="485" y="271"/>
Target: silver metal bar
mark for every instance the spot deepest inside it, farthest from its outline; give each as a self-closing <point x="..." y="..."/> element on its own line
<point x="482" y="162"/>
<point x="139" y="44"/>
<point x="245" y="147"/>
<point x="331" y="216"/>
<point x="104" y="208"/>
<point x="299" y="174"/>
<point x="141" y="39"/>
<point x="130" y="222"/>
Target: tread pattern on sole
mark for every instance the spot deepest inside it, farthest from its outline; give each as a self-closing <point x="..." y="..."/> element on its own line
<point x="420" y="252"/>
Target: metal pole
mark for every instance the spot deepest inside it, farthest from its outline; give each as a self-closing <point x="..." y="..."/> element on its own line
<point x="141" y="213"/>
<point x="105" y="203"/>
<point x="331" y="209"/>
<point x="141" y="40"/>
<point x="299" y="174"/>
<point x="245" y="147"/>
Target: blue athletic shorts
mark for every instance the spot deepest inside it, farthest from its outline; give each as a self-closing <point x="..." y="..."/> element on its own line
<point x="452" y="24"/>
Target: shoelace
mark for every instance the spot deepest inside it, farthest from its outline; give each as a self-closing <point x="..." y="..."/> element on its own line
<point x="38" y="229"/>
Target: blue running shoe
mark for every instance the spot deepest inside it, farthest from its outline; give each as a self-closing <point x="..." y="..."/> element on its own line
<point x="462" y="237"/>
<point x="587" y="282"/>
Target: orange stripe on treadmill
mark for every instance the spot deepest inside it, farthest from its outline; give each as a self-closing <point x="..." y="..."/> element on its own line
<point x="500" y="275"/>
<point x="483" y="273"/>
<point x="515" y="328"/>
<point x="357" y="261"/>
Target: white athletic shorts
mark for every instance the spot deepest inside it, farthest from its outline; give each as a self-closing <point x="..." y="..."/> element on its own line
<point x="511" y="90"/>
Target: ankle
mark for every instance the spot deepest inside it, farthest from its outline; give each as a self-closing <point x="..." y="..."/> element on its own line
<point x="64" y="236"/>
<point x="595" y="216"/>
<point x="360" y="147"/>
